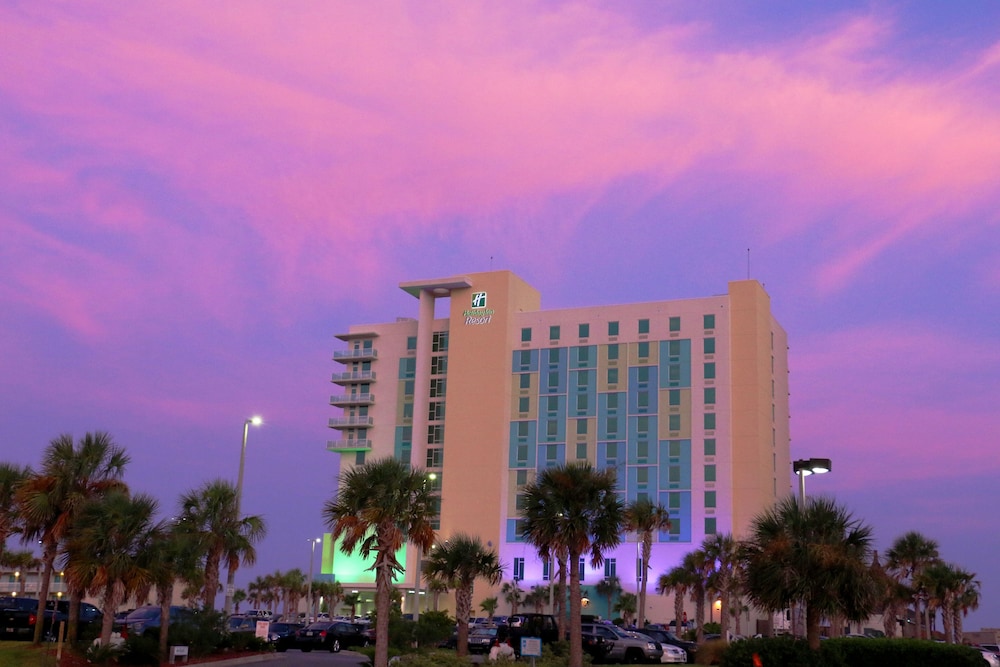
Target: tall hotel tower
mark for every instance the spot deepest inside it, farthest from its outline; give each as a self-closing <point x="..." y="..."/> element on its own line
<point x="687" y="400"/>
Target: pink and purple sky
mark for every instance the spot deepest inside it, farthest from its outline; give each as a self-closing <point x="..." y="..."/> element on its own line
<point x="195" y="197"/>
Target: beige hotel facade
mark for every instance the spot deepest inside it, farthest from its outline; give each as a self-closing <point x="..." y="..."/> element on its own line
<point x="686" y="399"/>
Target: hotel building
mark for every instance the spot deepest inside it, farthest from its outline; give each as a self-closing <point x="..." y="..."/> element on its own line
<point x="686" y="399"/>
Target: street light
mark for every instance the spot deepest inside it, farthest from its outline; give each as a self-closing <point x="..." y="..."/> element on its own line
<point x="256" y="420"/>
<point x="309" y="590"/>
<point x="803" y="467"/>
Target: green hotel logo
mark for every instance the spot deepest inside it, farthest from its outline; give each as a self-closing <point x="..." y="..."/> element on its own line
<point x="479" y="299"/>
<point x="479" y="313"/>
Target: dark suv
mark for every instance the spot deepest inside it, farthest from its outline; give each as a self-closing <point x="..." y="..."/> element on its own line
<point x="667" y="637"/>
<point x="626" y="646"/>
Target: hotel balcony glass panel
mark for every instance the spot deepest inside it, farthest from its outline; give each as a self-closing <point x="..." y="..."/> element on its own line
<point x="348" y="445"/>
<point x="355" y="355"/>
<point x="355" y="376"/>
<point x="352" y="399"/>
<point x="350" y="422"/>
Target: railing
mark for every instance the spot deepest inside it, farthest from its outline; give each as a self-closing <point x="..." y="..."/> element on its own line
<point x="363" y="353"/>
<point x="348" y="445"/>
<point x="355" y="376"/>
<point x="352" y="399"/>
<point x="350" y="422"/>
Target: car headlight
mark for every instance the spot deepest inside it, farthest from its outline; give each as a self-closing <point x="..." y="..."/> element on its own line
<point x="651" y="646"/>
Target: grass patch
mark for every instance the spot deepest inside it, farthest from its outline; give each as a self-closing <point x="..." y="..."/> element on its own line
<point x="21" y="654"/>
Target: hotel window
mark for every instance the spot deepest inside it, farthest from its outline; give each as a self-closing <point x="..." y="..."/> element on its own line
<point x="581" y="402"/>
<point x="674" y="374"/>
<point x="709" y="346"/>
<point x="554" y="332"/>
<point x="438" y="388"/>
<point x="674" y="396"/>
<point x="674" y="348"/>
<point x="525" y="381"/>
<point x="612" y="429"/>
<point x="411" y="342"/>
<point x="642" y="400"/>
<point x="584" y="331"/>
<point x="612" y="328"/>
<point x="407" y="368"/>
<point x="518" y="573"/>
<point x="643" y="326"/>
<point x="642" y="424"/>
<point x="522" y="455"/>
<point x="435" y="411"/>
<point x="582" y="378"/>
<point x="613" y="352"/>
<point x="407" y="411"/>
<point x="710" y="499"/>
<point x="581" y="427"/>
<point x="673" y="502"/>
<point x="526" y="335"/>
<point x="552" y="405"/>
<point x="359" y="458"/>
<point x="709" y="321"/>
<point x="709" y="395"/>
<point x="675" y="324"/>
<point x="709" y="421"/>
<point x="439" y="365"/>
<point x="638" y="570"/>
<point x="674" y="449"/>
<point x="554" y="355"/>
<point x="523" y="404"/>
<point x="551" y="428"/>
<point x="644" y="350"/>
<point x="583" y="569"/>
<point x="547" y="569"/>
<point x="581" y="451"/>
<point x="642" y="372"/>
<point x="710" y="473"/>
<point x="584" y="356"/>
<point x="642" y="476"/>
<point x="522" y="430"/>
<point x="709" y="446"/>
<point x="553" y="380"/>
<point x="525" y="359"/>
<point x="612" y="376"/>
<point x="674" y="474"/>
<point x="710" y="370"/>
<point x="674" y="422"/>
<point x="435" y="457"/>
<point x="710" y="525"/>
<point x="642" y="450"/>
<point x="521" y="477"/>
<point x="612" y="402"/>
<point x="439" y="342"/>
<point x="610" y="568"/>
<point x="520" y="500"/>
<point x="435" y="434"/>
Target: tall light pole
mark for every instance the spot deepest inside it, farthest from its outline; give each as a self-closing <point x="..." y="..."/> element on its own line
<point x="419" y="574"/>
<point x="309" y="589"/>
<point x="803" y="467"/>
<point x="230" y="588"/>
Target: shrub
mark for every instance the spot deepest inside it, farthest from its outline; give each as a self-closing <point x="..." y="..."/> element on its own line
<point x="140" y="650"/>
<point x="846" y="652"/>
<point x="433" y="627"/>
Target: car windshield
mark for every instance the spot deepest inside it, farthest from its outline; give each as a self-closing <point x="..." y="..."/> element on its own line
<point x="317" y="626"/>
<point x="144" y="614"/>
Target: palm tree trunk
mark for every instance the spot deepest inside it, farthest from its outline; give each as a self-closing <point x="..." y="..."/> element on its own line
<point x="678" y="611"/>
<point x="165" y="595"/>
<point x="647" y="552"/>
<point x="699" y="616"/>
<point x="73" y="618"/>
<point x="211" y="579"/>
<point x="812" y="626"/>
<point x="575" y="611"/>
<point x="463" y="609"/>
<point x="383" y="590"/>
<point x="48" y="560"/>
<point x="724" y="614"/>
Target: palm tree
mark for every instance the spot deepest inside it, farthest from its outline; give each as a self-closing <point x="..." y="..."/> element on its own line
<point x="21" y="561"/>
<point x="966" y="599"/>
<point x="209" y="516"/>
<point x="512" y="594"/>
<point x="907" y="558"/>
<point x="608" y="588"/>
<point x="572" y="510"/>
<point x="48" y="501"/>
<point x="679" y="582"/>
<point x="892" y="597"/>
<point x="626" y="606"/>
<point x="815" y="554"/>
<point x="106" y="545"/>
<point x="173" y="554"/>
<point x="696" y="567"/>
<point x="239" y="596"/>
<point x="331" y="592"/>
<point x="723" y="558"/>
<point x="11" y="476"/>
<point x="256" y="590"/>
<point x="489" y="606"/>
<point x="460" y="561"/>
<point x="381" y="505"/>
<point x="293" y="585"/>
<point x="352" y="600"/>
<point x="644" y="517"/>
<point x="537" y="598"/>
<point x="436" y="587"/>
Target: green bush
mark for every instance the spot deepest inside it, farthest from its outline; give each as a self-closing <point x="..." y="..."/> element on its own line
<point x="433" y="627"/>
<point x="140" y="650"/>
<point x="248" y="641"/>
<point x="845" y="652"/>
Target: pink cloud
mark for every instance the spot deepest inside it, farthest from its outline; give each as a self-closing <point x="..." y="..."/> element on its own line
<point x="332" y="127"/>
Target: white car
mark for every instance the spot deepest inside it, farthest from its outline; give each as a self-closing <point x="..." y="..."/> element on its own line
<point x="673" y="654"/>
<point x="991" y="658"/>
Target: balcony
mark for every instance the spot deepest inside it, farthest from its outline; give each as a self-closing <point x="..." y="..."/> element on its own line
<point x="350" y="422"/>
<point x="356" y="376"/>
<point x="348" y="445"/>
<point x="355" y="355"/>
<point x="352" y="399"/>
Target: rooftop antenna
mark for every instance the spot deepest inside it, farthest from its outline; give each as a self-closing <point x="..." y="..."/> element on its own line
<point x="748" y="263"/>
<point x="491" y="262"/>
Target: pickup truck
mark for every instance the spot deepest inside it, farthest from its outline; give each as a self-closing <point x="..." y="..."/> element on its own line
<point x="17" y="617"/>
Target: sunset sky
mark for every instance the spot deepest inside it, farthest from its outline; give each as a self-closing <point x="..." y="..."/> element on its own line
<point x="195" y="197"/>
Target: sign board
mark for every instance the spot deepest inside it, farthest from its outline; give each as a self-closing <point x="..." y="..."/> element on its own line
<point x="262" y="629"/>
<point x="531" y="647"/>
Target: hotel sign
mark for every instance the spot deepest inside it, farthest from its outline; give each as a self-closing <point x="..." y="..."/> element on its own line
<point x="479" y="313"/>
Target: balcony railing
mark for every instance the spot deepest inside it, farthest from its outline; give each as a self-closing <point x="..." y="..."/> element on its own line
<point x="350" y="422"/>
<point x="352" y="399"/>
<point x="348" y="445"/>
<point x="354" y="355"/>
<point x="356" y="376"/>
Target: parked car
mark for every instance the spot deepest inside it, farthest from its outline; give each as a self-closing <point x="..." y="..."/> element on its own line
<point x="282" y="635"/>
<point x="17" y="617"/>
<point x="331" y="636"/>
<point x="145" y="621"/>
<point x="481" y="639"/>
<point x="665" y="637"/>
<point x="990" y="657"/>
<point x="596" y="646"/>
<point x="243" y="624"/>
<point x="630" y="647"/>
